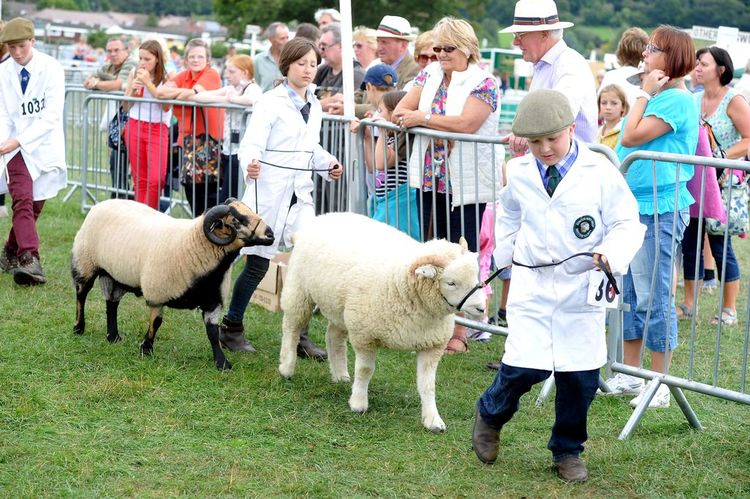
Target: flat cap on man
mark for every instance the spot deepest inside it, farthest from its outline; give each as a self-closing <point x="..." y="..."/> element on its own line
<point x="542" y="112"/>
<point x="16" y="30"/>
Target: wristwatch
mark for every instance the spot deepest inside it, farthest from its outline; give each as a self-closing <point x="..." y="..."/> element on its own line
<point x="427" y="118"/>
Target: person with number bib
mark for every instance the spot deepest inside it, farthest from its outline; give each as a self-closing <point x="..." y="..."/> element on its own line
<point x="32" y="145"/>
<point x="560" y="200"/>
<point x="278" y="151"/>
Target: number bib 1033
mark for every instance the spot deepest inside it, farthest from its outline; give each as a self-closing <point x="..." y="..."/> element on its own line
<point x="601" y="293"/>
<point x="32" y="106"/>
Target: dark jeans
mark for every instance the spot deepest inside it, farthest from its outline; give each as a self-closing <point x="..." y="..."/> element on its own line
<point x="230" y="185"/>
<point x="445" y="222"/>
<point x="244" y="287"/>
<point x="201" y="196"/>
<point x="689" y="244"/>
<point x="120" y="171"/>
<point x="574" y="393"/>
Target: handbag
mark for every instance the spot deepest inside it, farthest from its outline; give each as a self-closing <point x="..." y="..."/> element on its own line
<point x="116" y="128"/>
<point x="200" y="158"/>
<point x="737" y="213"/>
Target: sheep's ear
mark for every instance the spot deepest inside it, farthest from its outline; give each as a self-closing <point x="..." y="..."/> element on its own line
<point x="464" y="245"/>
<point x="428" y="271"/>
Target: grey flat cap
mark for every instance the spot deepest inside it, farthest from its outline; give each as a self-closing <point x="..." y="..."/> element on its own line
<point x="542" y="112"/>
<point x="18" y="29"/>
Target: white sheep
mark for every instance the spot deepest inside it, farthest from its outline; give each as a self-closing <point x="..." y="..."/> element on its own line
<point x="382" y="289"/>
<point x="178" y="263"/>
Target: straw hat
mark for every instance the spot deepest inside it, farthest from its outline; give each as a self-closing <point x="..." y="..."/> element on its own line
<point x="535" y="15"/>
<point x="394" y="27"/>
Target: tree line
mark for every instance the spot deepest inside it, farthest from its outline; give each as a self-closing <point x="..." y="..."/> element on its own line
<point x="487" y="15"/>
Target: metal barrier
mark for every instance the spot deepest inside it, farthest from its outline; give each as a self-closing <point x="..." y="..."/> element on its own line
<point x="700" y="350"/>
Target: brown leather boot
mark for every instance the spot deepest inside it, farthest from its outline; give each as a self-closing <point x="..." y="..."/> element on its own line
<point x="306" y="349"/>
<point x="232" y="336"/>
<point x="8" y="260"/>
<point x="29" y="270"/>
<point x="485" y="440"/>
<point x="572" y="469"/>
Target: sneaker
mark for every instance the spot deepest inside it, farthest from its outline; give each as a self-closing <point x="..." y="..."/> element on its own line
<point x="709" y="286"/>
<point x="660" y="401"/>
<point x="29" y="270"/>
<point x="3" y="212"/>
<point x="476" y="335"/>
<point x="623" y="384"/>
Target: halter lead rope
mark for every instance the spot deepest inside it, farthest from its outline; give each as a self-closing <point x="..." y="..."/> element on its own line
<point x="604" y="267"/>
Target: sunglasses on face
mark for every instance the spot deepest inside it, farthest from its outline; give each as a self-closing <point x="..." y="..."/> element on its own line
<point x="427" y="58"/>
<point x="448" y="50"/>
<point x="653" y="49"/>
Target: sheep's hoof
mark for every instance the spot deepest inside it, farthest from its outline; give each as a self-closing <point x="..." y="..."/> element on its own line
<point x="286" y="372"/>
<point x="147" y="349"/>
<point x="341" y="379"/>
<point x="116" y="339"/>
<point x="360" y="407"/>
<point x="435" y="426"/>
<point x="78" y="329"/>
<point x="224" y="366"/>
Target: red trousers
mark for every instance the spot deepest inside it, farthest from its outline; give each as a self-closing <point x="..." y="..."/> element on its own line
<point x="23" y="236"/>
<point x="148" y="148"/>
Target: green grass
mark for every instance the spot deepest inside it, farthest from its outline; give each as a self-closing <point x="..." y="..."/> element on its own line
<point x="80" y="417"/>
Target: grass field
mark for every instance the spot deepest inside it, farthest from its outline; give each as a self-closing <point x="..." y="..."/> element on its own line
<point x="81" y="418"/>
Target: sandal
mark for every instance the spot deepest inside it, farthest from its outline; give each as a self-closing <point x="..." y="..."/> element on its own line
<point x="728" y="317"/>
<point x="450" y="350"/>
<point x="684" y="313"/>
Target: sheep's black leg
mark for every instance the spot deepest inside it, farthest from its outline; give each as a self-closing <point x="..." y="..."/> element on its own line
<point x="147" y="347"/>
<point x="112" y="294"/>
<point x="83" y="286"/>
<point x="211" y="319"/>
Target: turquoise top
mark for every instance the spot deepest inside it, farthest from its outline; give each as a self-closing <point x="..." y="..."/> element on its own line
<point x="676" y="108"/>
<point x="724" y="130"/>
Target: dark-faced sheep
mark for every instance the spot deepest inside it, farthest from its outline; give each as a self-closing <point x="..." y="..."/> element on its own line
<point x="171" y="262"/>
<point x="381" y="289"/>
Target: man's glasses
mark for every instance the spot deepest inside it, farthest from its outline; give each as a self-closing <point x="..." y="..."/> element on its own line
<point x="518" y="36"/>
<point x="427" y="58"/>
<point x="323" y="47"/>
<point x="653" y="49"/>
<point x="448" y="50"/>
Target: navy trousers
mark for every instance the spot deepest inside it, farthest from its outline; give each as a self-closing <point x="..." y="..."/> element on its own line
<point x="575" y="391"/>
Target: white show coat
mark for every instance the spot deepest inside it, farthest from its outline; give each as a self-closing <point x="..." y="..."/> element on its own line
<point x="277" y="133"/>
<point x="36" y="120"/>
<point x="551" y="325"/>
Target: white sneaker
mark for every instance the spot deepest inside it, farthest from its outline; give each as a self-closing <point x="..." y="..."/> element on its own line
<point x="623" y="384"/>
<point x="661" y="398"/>
<point x="477" y="335"/>
<point x="3" y="212"/>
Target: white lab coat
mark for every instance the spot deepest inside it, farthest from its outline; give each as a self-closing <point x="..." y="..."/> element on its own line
<point x="36" y="120"/>
<point x="551" y="325"/>
<point x="277" y="133"/>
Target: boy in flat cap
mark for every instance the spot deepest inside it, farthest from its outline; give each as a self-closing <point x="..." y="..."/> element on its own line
<point x="32" y="145"/>
<point x="560" y="200"/>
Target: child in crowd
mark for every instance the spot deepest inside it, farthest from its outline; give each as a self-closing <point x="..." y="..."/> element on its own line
<point x="560" y="200"/>
<point x="613" y="106"/>
<point x="393" y="201"/>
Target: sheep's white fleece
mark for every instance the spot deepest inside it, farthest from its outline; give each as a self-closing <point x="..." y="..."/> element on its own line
<point x="382" y="289"/>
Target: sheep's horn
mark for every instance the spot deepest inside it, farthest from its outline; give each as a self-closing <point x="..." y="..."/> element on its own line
<point x="212" y="219"/>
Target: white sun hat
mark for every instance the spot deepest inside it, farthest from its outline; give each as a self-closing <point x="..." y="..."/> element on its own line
<point x="394" y="27"/>
<point x="535" y="15"/>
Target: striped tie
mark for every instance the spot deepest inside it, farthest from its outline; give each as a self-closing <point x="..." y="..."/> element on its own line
<point x="553" y="179"/>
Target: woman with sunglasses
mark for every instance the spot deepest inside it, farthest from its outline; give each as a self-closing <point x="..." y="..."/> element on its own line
<point x="365" y="47"/>
<point x="456" y="180"/>
<point x="664" y="118"/>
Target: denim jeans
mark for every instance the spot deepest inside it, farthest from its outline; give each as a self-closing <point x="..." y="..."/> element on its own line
<point x="575" y="391"/>
<point x="637" y="284"/>
<point x="689" y="245"/>
<point x="244" y="287"/>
